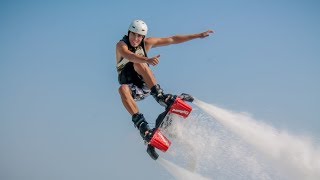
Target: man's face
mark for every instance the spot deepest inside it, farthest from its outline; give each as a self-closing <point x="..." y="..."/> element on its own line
<point x="135" y="39"/>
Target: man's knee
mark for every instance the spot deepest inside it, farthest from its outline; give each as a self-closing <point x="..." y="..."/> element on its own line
<point x="141" y="67"/>
<point x="124" y="90"/>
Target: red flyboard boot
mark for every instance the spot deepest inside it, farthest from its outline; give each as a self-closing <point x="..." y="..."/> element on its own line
<point x="180" y="108"/>
<point x="159" y="141"/>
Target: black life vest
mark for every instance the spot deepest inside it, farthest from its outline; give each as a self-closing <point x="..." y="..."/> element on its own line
<point x="126" y="72"/>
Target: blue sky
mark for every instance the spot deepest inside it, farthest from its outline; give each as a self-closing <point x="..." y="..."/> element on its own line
<point x="60" y="113"/>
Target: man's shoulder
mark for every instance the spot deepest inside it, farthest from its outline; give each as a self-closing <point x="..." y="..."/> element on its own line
<point x="121" y="44"/>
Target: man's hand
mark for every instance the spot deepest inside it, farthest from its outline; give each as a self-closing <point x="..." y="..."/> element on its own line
<point x="206" y="34"/>
<point x="154" y="60"/>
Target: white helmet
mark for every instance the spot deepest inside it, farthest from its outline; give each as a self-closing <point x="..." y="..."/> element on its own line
<point x="139" y="27"/>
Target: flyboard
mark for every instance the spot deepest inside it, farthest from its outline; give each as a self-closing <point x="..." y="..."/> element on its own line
<point x="158" y="141"/>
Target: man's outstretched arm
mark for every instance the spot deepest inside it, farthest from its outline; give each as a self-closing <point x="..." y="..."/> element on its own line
<point x="156" y="42"/>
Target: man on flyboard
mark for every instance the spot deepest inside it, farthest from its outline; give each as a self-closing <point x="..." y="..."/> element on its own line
<point x="137" y="80"/>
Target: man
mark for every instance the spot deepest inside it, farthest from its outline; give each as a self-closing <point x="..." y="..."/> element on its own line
<point x="135" y="76"/>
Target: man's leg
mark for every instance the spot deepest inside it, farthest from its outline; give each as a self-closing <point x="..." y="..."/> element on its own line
<point x="127" y="99"/>
<point x="131" y="106"/>
<point x="144" y="70"/>
<point x="137" y="118"/>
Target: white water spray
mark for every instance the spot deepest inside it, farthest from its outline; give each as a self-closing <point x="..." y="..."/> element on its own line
<point x="179" y="172"/>
<point x="295" y="154"/>
<point x="228" y="145"/>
